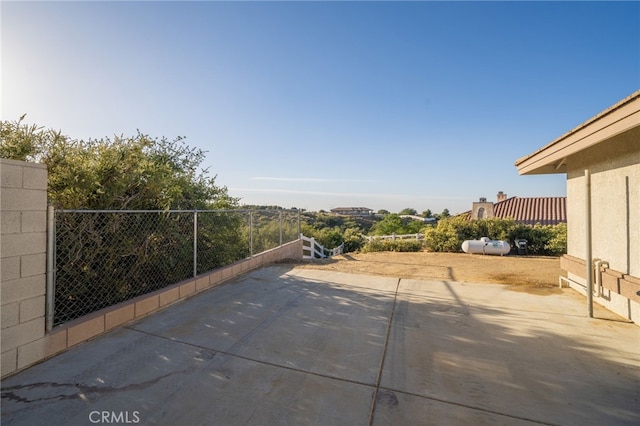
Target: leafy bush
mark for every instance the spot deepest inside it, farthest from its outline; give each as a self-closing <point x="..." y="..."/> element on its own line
<point x="106" y="258"/>
<point x="394" y="224"/>
<point x="324" y="220"/>
<point x="353" y="240"/>
<point x="331" y="230"/>
<point x="557" y="244"/>
<point x="136" y="173"/>
<point x="328" y="237"/>
<point x="392" y="245"/>
<point x="542" y="239"/>
<point x="449" y="234"/>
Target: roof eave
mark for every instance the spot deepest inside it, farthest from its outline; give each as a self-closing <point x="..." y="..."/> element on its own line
<point x="552" y="158"/>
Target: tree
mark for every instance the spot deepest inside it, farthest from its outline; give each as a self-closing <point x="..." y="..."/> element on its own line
<point x="408" y="211"/>
<point x="413" y="226"/>
<point x="390" y="224"/>
<point x="24" y="142"/>
<point x="427" y="213"/>
<point x="445" y="213"/>
<point x="383" y="212"/>
<point x="138" y="172"/>
<point x="103" y="258"/>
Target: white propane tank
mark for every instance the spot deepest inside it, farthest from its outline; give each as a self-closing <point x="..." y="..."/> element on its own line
<point x="486" y="246"/>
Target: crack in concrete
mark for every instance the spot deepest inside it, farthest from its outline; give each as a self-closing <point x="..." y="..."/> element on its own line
<point x="79" y="390"/>
<point x="374" y="398"/>
<point x="386" y="399"/>
<point x="387" y="396"/>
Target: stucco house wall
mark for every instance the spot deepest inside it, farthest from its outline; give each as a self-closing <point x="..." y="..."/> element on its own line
<point x="615" y="202"/>
<point x="615" y="218"/>
<point x="608" y="146"/>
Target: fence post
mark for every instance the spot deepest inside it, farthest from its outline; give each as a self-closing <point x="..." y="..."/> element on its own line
<point x="51" y="270"/>
<point x="251" y="234"/>
<point x="195" y="242"/>
<point x="280" y="218"/>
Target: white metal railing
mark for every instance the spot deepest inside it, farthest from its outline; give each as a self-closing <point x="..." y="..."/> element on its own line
<point x="395" y="237"/>
<point x="311" y="249"/>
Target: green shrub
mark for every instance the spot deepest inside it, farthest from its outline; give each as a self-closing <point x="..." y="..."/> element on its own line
<point x="446" y="236"/>
<point x="394" y="224"/>
<point x="557" y="244"/>
<point x="347" y="232"/>
<point x="392" y="245"/>
<point x="328" y="237"/>
<point x="353" y="240"/>
<point x="450" y="233"/>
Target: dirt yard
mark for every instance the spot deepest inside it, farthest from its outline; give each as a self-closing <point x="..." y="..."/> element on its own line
<point x="524" y="273"/>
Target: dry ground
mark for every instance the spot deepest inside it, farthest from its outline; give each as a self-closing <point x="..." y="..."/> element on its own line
<point x="524" y="273"/>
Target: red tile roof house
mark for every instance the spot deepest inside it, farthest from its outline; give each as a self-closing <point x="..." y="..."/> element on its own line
<point x="601" y="159"/>
<point x="528" y="211"/>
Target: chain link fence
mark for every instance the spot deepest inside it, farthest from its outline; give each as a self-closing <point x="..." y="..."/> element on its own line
<point x="105" y="257"/>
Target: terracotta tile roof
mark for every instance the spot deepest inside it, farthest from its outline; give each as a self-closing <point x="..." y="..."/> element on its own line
<point x="529" y="211"/>
<point x="543" y="210"/>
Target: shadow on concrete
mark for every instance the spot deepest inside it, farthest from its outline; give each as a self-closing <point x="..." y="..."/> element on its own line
<point x="546" y="365"/>
<point x="287" y="346"/>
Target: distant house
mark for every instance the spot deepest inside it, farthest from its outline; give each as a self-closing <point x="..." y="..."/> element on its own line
<point x="420" y="218"/>
<point x="601" y="159"/>
<point x="525" y="210"/>
<point x="352" y="211"/>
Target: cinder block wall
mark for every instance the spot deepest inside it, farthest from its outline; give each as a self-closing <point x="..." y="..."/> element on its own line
<point x="23" y="246"/>
<point x="94" y="324"/>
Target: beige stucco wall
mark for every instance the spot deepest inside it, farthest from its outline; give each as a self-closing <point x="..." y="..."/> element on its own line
<point x="615" y="202"/>
<point x="608" y="145"/>
<point x="615" y="215"/>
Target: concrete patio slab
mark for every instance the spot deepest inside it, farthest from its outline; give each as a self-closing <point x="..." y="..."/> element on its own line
<point x="532" y="357"/>
<point x="282" y="345"/>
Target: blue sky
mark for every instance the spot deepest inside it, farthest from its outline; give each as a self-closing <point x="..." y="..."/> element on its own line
<point x="318" y="105"/>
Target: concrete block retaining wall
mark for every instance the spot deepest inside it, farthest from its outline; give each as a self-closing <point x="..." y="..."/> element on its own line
<point x="23" y="247"/>
<point x="89" y="326"/>
<point x="24" y="341"/>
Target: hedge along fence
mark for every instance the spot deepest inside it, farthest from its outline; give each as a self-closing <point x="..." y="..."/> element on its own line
<point x="448" y="235"/>
<point x="392" y="245"/>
